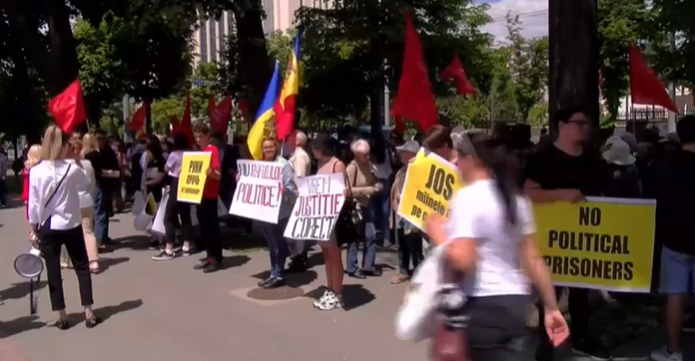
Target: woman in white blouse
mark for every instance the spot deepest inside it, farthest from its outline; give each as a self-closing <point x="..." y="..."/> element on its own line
<point x="78" y="148"/>
<point x="55" y="217"/>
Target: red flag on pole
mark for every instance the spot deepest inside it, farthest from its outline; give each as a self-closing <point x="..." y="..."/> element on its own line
<point x="645" y="86"/>
<point x="67" y="107"/>
<point x="414" y="100"/>
<point x="399" y="125"/>
<point x="186" y="122"/>
<point x="456" y="72"/>
<point x="138" y="121"/>
<point x="220" y="114"/>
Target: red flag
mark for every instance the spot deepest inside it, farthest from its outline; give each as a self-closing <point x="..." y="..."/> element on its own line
<point x="186" y="122"/>
<point x="645" y="86"/>
<point x="175" y="126"/>
<point x="399" y="124"/>
<point x="68" y="107"/>
<point x="414" y="99"/>
<point x="138" y="121"/>
<point x="456" y="72"/>
<point x="220" y="114"/>
<point x="244" y="109"/>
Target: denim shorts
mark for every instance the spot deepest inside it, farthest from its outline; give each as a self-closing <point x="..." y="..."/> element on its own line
<point x="677" y="273"/>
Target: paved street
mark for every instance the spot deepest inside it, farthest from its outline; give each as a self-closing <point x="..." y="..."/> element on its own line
<point x="168" y="311"/>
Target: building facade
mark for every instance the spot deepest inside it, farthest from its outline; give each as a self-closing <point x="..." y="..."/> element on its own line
<point x="210" y="37"/>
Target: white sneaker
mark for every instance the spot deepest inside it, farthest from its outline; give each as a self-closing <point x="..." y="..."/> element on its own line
<point x="662" y="354"/>
<point x="326" y="295"/>
<point x="331" y="302"/>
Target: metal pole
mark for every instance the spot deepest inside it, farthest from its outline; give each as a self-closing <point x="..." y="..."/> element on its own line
<point x="671" y="122"/>
<point x="387" y="106"/>
<point x="126" y="115"/>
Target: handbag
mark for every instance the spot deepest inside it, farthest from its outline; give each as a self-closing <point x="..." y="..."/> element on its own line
<point x="450" y="342"/>
<point x="47" y="223"/>
<point x="346" y="227"/>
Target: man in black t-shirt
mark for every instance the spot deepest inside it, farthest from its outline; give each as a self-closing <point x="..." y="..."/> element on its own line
<point x="566" y="171"/>
<point x="675" y="197"/>
<point x="106" y="171"/>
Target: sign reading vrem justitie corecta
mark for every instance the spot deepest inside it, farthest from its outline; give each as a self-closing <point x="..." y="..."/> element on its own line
<point x="321" y="197"/>
<point x="258" y="194"/>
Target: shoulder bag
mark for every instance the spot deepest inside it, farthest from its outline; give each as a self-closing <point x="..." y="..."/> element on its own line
<point x="46" y="225"/>
<point x="346" y="226"/>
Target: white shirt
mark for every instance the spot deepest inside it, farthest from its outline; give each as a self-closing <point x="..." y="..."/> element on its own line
<point x="65" y="205"/>
<point x="301" y="163"/>
<point x="478" y="213"/>
<point x="87" y="192"/>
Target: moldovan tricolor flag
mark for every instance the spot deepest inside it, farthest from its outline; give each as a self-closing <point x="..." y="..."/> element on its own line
<point x="286" y="104"/>
<point x="264" y="116"/>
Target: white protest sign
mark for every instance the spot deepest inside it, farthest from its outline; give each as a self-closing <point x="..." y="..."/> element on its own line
<point x="258" y="193"/>
<point x="321" y="197"/>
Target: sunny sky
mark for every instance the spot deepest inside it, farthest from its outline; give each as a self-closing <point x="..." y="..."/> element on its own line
<point x="533" y="14"/>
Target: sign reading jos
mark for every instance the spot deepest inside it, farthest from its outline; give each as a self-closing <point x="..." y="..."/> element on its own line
<point x="603" y="243"/>
<point x="258" y="194"/>
<point x="321" y="197"/>
<point x="194" y="167"/>
<point x="429" y="185"/>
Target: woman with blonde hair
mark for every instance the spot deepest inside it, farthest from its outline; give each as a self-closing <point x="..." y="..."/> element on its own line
<point x="76" y="156"/>
<point x="56" y="220"/>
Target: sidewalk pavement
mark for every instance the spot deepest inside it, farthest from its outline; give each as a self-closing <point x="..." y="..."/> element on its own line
<point x="167" y="311"/>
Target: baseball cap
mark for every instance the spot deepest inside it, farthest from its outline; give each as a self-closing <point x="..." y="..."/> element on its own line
<point x="409" y="146"/>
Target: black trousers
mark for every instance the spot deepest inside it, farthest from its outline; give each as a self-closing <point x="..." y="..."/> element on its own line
<point x="210" y="228"/>
<point x="578" y="307"/>
<point x="178" y="214"/>
<point x="51" y="244"/>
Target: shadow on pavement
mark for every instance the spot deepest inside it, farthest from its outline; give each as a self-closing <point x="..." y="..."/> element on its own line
<point x="107" y="312"/>
<point x="19" y="325"/>
<point x="20" y="290"/>
<point x="292" y="279"/>
<point x="106" y="263"/>
<point x="316" y="259"/>
<point x="135" y="242"/>
<point x="355" y="296"/>
<point x="236" y="260"/>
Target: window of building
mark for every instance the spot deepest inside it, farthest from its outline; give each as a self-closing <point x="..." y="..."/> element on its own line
<point x="204" y="42"/>
<point x="213" y="41"/>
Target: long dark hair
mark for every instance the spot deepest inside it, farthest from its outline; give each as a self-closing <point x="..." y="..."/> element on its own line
<point x="154" y="146"/>
<point x="493" y="155"/>
<point x="180" y="142"/>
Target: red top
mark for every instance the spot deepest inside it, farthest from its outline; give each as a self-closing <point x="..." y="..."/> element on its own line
<point x="25" y="189"/>
<point x="212" y="186"/>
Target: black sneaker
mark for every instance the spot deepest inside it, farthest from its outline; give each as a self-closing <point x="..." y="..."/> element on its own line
<point x="154" y="245"/>
<point x="164" y="256"/>
<point x="592" y="349"/>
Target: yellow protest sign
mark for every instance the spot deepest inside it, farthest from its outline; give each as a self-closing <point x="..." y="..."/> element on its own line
<point x="194" y="169"/>
<point x="603" y="243"/>
<point x="430" y="184"/>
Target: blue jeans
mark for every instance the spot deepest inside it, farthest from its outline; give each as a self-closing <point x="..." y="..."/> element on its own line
<point x="101" y="218"/>
<point x="369" y="249"/>
<point x="381" y="206"/>
<point x="277" y="245"/>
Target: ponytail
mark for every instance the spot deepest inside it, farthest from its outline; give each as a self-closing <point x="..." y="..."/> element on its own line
<point x="504" y="167"/>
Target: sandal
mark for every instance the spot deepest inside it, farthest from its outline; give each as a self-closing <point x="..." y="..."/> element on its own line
<point x="399" y="279"/>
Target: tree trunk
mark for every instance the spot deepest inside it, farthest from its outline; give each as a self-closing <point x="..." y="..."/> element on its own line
<point x="573" y="58"/>
<point x="254" y="67"/>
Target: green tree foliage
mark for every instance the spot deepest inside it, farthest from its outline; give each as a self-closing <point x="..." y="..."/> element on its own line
<point x="674" y="16"/>
<point x="621" y="23"/>
<point x="344" y="50"/>
<point x="528" y="64"/>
